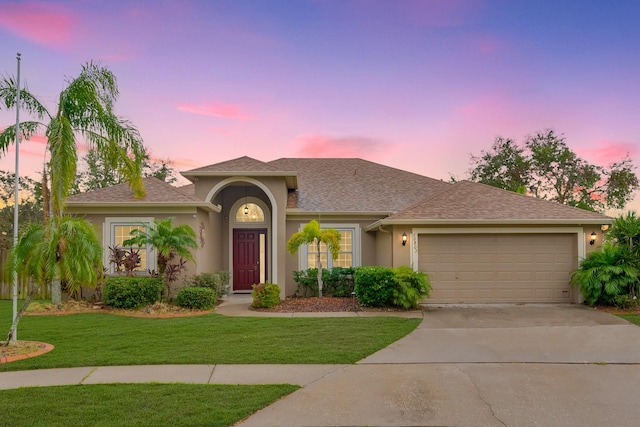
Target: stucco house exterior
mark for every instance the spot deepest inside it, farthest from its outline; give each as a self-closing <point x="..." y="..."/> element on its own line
<point x="477" y="243"/>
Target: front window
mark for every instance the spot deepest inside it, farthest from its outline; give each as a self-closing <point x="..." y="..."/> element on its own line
<point x="123" y="233"/>
<point x="346" y="257"/>
<point x="116" y="232"/>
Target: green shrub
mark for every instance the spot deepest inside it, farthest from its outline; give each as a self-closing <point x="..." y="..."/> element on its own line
<point x="199" y="298"/>
<point x="411" y="287"/>
<point x="307" y="281"/>
<point x="217" y="281"/>
<point x="625" y="302"/>
<point x="374" y="286"/>
<point x="604" y="275"/>
<point x="265" y="295"/>
<point x="337" y="281"/>
<point x="131" y="292"/>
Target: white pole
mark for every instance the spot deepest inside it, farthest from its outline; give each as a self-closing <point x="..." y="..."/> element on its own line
<point x="14" y="327"/>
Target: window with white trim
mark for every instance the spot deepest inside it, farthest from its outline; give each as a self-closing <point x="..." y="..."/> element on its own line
<point x="118" y="230"/>
<point x="349" y="250"/>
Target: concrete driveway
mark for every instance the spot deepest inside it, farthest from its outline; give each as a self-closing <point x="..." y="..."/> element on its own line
<point x="483" y="366"/>
<point x="527" y="334"/>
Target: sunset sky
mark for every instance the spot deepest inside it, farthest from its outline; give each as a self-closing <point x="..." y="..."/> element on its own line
<point x="414" y="84"/>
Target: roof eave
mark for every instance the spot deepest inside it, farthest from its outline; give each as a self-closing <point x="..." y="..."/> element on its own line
<point x="570" y="221"/>
<point x="210" y="207"/>
<point x="291" y="177"/>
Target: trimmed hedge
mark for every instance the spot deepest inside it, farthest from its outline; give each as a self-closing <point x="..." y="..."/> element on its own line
<point x="265" y="295"/>
<point x="131" y="292"/>
<point x="196" y="297"/>
<point x="217" y="281"/>
<point x="374" y="286"/>
<point x="337" y="281"/>
<point x="385" y="287"/>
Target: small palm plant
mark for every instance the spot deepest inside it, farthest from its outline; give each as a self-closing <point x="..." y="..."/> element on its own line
<point x="69" y="252"/>
<point x="605" y="274"/>
<point x="170" y="241"/>
<point x="313" y="234"/>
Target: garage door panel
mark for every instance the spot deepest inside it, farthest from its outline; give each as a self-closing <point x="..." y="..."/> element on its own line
<point x="498" y="267"/>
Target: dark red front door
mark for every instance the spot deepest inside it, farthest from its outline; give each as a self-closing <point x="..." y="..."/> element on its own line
<point x="246" y="258"/>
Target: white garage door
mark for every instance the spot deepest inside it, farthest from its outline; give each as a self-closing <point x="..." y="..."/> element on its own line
<point x="470" y="268"/>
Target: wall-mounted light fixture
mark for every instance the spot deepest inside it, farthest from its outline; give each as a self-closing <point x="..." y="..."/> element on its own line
<point x="246" y="203"/>
<point x="592" y="238"/>
<point x="404" y="239"/>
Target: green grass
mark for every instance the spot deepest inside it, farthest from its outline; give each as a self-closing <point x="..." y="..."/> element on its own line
<point x="104" y="340"/>
<point x="633" y="318"/>
<point x="136" y="404"/>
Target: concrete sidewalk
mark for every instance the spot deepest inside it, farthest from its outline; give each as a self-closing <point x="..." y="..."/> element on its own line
<point x="301" y="375"/>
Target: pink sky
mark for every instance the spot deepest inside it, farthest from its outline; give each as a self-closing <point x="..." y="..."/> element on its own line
<point x="414" y="84"/>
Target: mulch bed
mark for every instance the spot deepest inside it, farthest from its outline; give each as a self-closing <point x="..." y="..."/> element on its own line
<point x="324" y="304"/>
<point x="22" y="350"/>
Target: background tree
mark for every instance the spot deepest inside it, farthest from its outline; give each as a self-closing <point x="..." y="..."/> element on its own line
<point x="84" y="109"/>
<point x="547" y="168"/>
<point x="313" y="234"/>
<point x="95" y="173"/>
<point x="170" y="241"/>
<point x="30" y="203"/>
<point x="505" y="166"/>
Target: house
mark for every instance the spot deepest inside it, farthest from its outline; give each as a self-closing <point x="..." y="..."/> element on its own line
<point x="477" y="243"/>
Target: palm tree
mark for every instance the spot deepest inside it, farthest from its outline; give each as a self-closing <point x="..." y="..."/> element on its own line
<point x="310" y="234"/>
<point x="605" y="274"/>
<point x="625" y="231"/>
<point x="85" y="108"/>
<point x="68" y="252"/>
<point x="168" y="240"/>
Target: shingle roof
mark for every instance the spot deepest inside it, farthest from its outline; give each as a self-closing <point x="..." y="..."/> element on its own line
<point x="157" y="192"/>
<point x="246" y="164"/>
<point x="472" y="201"/>
<point x="355" y="185"/>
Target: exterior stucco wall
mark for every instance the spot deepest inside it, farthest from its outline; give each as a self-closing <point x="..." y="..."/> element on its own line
<point x="384" y="247"/>
<point x="401" y="254"/>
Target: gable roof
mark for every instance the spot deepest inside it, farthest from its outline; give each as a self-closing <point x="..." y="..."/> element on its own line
<point x="246" y="166"/>
<point x="241" y="164"/>
<point x="468" y="201"/>
<point x="158" y="192"/>
<point x="331" y="185"/>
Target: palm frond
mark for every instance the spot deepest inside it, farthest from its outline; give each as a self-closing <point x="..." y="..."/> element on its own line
<point x="28" y="102"/>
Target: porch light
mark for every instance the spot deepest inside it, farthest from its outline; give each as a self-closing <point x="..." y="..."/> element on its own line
<point x="404" y="239"/>
<point x="246" y="203"/>
<point x="592" y="238"/>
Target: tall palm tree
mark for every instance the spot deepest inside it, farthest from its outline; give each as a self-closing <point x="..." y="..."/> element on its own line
<point x="84" y="109"/>
<point x="313" y="234"/>
<point x="169" y="240"/>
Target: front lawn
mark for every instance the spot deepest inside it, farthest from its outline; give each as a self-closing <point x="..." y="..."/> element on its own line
<point x="136" y="404"/>
<point x="103" y="340"/>
<point x="633" y="318"/>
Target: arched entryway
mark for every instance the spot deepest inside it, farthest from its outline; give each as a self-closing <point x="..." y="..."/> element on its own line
<point x="249" y="241"/>
<point x="242" y="189"/>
